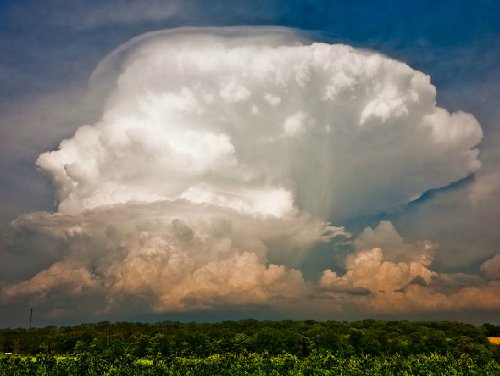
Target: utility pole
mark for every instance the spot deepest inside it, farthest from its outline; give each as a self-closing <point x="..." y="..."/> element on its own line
<point x="31" y="316"/>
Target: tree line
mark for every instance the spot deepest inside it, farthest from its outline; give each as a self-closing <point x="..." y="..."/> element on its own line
<point x="171" y="339"/>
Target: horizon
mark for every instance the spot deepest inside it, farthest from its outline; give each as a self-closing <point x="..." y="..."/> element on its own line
<point x="246" y="320"/>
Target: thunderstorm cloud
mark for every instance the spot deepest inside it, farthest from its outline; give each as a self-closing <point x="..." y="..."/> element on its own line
<point x="220" y="159"/>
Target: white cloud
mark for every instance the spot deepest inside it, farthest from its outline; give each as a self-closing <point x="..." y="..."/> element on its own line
<point x="183" y="112"/>
<point x="295" y="124"/>
<point x="220" y="156"/>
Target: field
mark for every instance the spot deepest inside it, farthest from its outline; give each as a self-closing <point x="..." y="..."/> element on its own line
<point x="250" y="364"/>
<point x="252" y="348"/>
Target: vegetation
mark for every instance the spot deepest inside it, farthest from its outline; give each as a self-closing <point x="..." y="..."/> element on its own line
<point x="251" y="347"/>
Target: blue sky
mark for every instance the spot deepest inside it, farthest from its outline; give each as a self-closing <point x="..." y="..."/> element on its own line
<point x="50" y="49"/>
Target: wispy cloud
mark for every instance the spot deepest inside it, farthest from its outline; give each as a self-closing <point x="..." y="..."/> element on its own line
<point x="95" y="14"/>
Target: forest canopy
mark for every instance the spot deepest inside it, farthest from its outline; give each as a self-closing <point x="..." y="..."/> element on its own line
<point x="252" y="347"/>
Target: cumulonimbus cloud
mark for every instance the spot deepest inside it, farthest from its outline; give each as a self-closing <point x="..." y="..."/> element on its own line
<point x="167" y="256"/>
<point x="263" y="124"/>
<point x="220" y="151"/>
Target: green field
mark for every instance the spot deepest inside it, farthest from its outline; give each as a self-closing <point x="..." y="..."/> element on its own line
<point x="251" y="347"/>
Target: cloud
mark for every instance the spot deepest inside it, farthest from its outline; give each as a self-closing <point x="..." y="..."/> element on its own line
<point x="399" y="278"/>
<point x="461" y="219"/>
<point x="220" y="159"/>
<point x="491" y="267"/>
<point x="384" y="270"/>
<point x="95" y="14"/>
<point x="228" y="117"/>
<point x="143" y="259"/>
<point x="160" y="257"/>
<point x="28" y="127"/>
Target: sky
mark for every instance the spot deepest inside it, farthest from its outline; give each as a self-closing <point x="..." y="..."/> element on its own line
<point x="193" y="160"/>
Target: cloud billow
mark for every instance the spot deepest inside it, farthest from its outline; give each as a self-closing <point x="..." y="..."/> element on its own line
<point x="264" y="124"/>
<point x="219" y="150"/>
